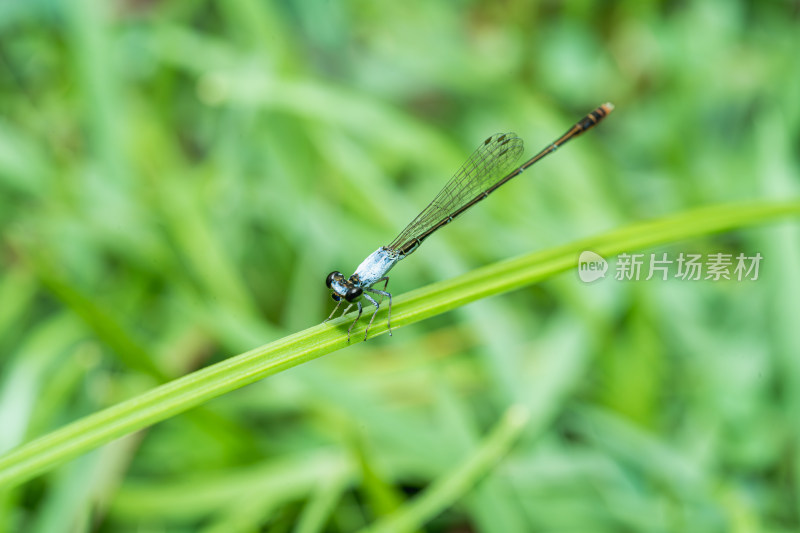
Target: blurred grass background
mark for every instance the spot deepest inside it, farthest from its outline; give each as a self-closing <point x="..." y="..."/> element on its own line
<point x="177" y="179"/>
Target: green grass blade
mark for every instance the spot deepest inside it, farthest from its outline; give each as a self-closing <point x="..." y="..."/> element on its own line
<point x="447" y="490"/>
<point x="191" y="390"/>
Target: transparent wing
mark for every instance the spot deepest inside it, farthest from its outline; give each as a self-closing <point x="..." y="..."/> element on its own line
<point x="492" y="161"/>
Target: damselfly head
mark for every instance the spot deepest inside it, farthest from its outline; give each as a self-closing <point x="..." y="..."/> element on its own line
<point x="343" y="288"/>
<point x="333" y="276"/>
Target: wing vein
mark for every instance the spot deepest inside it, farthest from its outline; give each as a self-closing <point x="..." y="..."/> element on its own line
<point x="490" y="163"/>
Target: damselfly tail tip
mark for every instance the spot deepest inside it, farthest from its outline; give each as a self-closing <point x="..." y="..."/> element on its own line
<point x="608" y="106"/>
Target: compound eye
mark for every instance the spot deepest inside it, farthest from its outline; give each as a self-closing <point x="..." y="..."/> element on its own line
<point x="333" y="275"/>
<point x="353" y="293"/>
<point x="335" y="297"/>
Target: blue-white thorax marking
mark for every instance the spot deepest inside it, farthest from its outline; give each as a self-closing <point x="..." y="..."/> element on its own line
<point x="375" y="266"/>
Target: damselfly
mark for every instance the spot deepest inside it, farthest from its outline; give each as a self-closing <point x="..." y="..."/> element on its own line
<point x="489" y="167"/>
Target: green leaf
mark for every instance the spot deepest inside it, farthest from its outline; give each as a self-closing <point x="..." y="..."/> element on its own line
<point x="182" y="394"/>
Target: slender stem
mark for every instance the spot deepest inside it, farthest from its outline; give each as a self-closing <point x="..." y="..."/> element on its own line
<point x="159" y="403"/>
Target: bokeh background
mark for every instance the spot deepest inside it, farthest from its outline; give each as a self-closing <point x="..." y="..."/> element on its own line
<point x="178" y="178"/>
